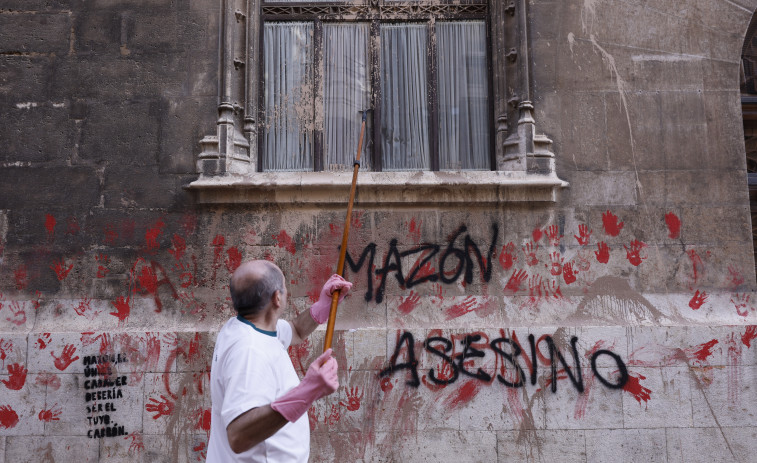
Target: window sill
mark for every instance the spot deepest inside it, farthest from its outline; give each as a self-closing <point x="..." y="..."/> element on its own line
<point x="373" y="188"/>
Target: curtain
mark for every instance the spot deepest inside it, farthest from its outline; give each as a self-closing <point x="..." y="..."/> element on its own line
<point x="289" y="118"/>
<point x="404" y="108"/>
<point x="346" y="91"/>
<point x="463" y="96"/>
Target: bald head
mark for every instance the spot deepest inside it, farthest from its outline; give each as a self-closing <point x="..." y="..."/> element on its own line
<point x="253" y="284"/>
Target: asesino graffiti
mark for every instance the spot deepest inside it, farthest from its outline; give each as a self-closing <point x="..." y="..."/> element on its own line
<point x="502" y="359"/>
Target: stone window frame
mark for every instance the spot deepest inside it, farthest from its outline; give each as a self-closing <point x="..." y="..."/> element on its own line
<point x="227" y="163"/>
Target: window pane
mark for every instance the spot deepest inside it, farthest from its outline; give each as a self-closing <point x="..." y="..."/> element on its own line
<point x="404" y="108"/>
<point x="463" y="100"/>
<point x="346" y="91"/>
<point x="289" y="120"/>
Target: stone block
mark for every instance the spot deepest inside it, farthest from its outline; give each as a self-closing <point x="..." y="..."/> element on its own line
<point x="30" y="186"/>
<point x="445" y="446"/>
<point x="723" y="397"/>
<point x="597" y="407"/>
<point x="725" y="133"/>
<point x="697" y="444"/>
<point x="57" y="448"/>
<point x="124" y="133"/>
<point x="604" y="188"/>
<point x="535" y="445"/>
<point x="626" y="445"/>
<point x="34" y="71"/>
<point x="20" y="414"/>
<point x="35" y="32"/>
<point x="658" y="397"/>
<point x="583" y="138"/>
<point x="182" y="126"/>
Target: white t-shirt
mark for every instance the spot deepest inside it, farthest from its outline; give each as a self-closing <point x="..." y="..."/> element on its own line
<point x="251" y="368"/>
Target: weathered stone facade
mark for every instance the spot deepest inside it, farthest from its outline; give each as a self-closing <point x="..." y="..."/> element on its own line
<point x="592" y="306"/>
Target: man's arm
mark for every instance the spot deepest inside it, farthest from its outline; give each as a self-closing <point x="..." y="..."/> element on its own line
<point x="302" y="326"/>
<point x="253" y="427"/>
<point x="306" y="322"/>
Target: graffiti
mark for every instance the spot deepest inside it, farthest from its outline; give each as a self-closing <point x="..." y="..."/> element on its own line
<point x="507" y="355"/>
<point x="453" y="263"/>
<point x="103" y="389"/>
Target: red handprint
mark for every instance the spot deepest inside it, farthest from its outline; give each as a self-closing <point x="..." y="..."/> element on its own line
<point x="21" y="277"/>
<point x="137" y="444"/>
<point x="52" y="414"/>
<point x="17" y="377"/>
<point x="102" y="260"/>
<point x="507" y="257"/>
<point x="19" y="314"/>
<point x="537" y="234"/>
<point x="5" y="348"/>
<point x="530" y="251"/>
<point x="160" y="408"/>
<point x="123" y="309"/>
<point x="48" y="379"/>
<point x="553" y="233"/>
<point x="179" y="246"/>
<point x="60" y="269"/>
<point x="611" y="224"/>
<point x="634" y="253"/>
<point x="333" y="417"/>
<point x="409" y="303"/>
<point x="674" y="225"/>
<point x="554" y="288"/>
<point x="741" y="301"/>
<point x="568" y="274"/>
<point x="43" y="340"/>
<point x="83" y="307"/>
<point x="8" y="417"/>
<point x="353" y="400"/>
<point x="534" y="287"/>
<point x="62" y="362"/>
<point x="556" y="267"/>
<point x="386" y="384"/>
<point x="698" y="299"/>
<point x="602" y="253"/>
<point x="583" y="234"/>
<point x="234" y="259"/>
<point x="513" y="284"/>
<point x="458" y="310"/>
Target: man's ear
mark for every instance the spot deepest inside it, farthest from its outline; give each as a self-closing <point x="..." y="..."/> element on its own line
<point x="277" y="299"/>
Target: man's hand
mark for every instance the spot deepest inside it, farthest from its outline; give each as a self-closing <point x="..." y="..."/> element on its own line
<point x="320" y="380"/>
<point x="320" y="310"/>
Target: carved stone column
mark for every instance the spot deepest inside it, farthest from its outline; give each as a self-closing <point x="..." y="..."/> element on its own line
<point x="228" y="151"/>
<point x="524" y="149"/>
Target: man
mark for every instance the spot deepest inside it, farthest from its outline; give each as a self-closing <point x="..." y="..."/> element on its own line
<point x="259" y="406"/>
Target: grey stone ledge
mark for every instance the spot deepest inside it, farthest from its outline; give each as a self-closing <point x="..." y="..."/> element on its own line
<point x="384" y="188"/>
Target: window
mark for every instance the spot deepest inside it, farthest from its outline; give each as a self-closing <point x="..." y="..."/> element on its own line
<point x="422" y="69"/>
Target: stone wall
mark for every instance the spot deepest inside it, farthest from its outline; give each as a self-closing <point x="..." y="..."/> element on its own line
<point x="617" y="322"/>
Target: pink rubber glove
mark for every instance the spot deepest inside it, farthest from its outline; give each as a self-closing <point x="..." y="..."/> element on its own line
<point x="320" y="380"/>
<point x="320" y="310"/>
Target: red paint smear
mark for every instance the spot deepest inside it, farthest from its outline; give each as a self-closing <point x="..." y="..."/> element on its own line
<point x="204" y="421"/>
<point x="602" y="252"/>
<point x="749" y="335"/>
<point x="611" y="224"/>
<point x="409" y="303"/>
<point x="234" y="259"/>
<point x="111" y="235"/>
<point x="674" y="225"/>
<point x="458" y="310"/>
<point x="513" y="284"/>
<point x="8" y="417"/>
<point x="696" y="263"/>
<point x="21" y="277"/>
<point x="414" y="230"/>
<point x="735" y="278"/>
<point x="634" y="387"/>
<point x="179" y="246"/>
<point x="464" y="394"/>
<point x="285" y="241"/>
<point x="386" y="385"/>
<point x="127" y="229"/>
<point x="704" y="351"/>
<point x="152" y="234"/>
<point x="73" y="226"/>
<point x="50" y="226"/>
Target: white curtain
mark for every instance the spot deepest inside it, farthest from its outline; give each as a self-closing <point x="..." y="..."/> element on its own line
<point x="404" y="108"/>
<point x="463" y="96"/>
<point x="289" y="118"/>
<point x="346" y="91"/>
